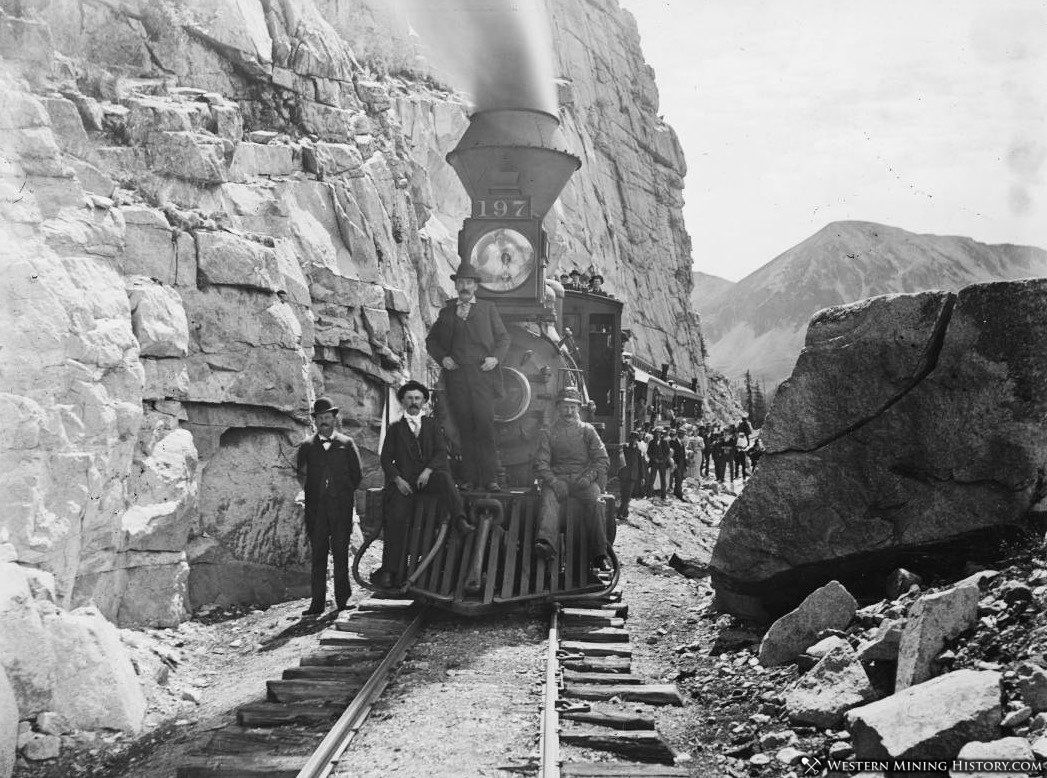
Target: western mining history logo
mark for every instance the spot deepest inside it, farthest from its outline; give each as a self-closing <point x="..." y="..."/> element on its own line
<point x="814" y="766"/>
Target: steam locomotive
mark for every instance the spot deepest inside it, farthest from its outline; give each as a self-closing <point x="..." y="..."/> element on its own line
<point x="514" y="164"/>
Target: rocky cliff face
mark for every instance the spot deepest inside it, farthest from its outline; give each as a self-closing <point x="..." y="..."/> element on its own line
<point x="210" y="213"/>
<point x="759" y="323"/>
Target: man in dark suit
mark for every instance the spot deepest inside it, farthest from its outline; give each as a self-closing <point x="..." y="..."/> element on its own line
<point x="414" y="459"/>
<point x="328" y="467"/>
<point x="660" y="457"/>
<point x="630" y="474"/>
<point x="469" y="340"/>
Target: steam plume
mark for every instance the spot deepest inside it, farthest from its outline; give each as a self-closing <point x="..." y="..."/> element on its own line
<point x="499" y="51"/>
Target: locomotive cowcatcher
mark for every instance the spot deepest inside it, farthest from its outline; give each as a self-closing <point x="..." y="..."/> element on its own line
<point x="513" y="164"/>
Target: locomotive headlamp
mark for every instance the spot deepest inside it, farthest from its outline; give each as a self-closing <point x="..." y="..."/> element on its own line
<point x="504" y="257"/>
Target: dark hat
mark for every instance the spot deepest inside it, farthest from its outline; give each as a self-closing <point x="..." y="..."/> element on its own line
<point x="575" y="272"/>
<point x="465" y="270"/>
<point x="596" y="276"/>
<point x="412" y="384"/>
<point x="569" y="395"/>
<point x="323" y="405"/>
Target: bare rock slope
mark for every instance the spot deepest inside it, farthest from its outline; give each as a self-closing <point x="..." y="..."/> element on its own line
<point x="910" y="431"/>
<point x="211" y="213"/>
<point x="759" y="323"/>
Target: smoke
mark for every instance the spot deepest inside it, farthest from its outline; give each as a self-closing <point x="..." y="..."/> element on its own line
<point x="500" y="52"/>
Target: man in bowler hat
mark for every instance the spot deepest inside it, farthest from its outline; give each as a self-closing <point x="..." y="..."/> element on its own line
<point x="328" y="467"/>
<point x="414" y="459"/>
<point x="469" y="341"/>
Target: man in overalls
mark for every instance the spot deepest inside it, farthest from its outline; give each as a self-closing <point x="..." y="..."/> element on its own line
<point x="571" y="460"/>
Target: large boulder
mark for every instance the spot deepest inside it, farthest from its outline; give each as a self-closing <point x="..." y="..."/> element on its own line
<point x="933" y="619"/>
<point x="911" y="422"/>
<point x="1006" y="749"/>
<point x="932" y="720"/>
<point x="830" y="607"/>
<point x="26" y="654"/>
<point x="832" y="687"/>
<point x="95" y="683"/>
<point x="8" y="727"/>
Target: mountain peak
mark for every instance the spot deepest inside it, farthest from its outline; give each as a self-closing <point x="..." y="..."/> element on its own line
<point x="759" y="323"/>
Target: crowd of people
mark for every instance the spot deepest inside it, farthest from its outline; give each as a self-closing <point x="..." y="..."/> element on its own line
<point x="657" y="459"/>
<point x="584" y="282"/>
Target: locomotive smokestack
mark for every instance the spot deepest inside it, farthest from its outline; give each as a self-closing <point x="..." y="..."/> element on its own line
<point x="514" y="151"/>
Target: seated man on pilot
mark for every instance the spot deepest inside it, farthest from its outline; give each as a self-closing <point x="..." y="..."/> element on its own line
<point x="414" y="459"/>
<point x="571" y="461"/>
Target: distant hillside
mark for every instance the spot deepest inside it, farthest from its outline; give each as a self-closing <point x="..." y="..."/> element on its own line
<point x="707" y="288"/>
<point x="758" y="324"/>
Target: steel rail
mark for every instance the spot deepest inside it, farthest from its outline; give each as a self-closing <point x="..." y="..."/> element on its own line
<point x="335" y="742"/>
<point x="550" y="733"/>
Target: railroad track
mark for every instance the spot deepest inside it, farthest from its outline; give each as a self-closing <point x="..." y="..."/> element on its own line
<point x="315" y="709"/>
<point x="588" y="670"/>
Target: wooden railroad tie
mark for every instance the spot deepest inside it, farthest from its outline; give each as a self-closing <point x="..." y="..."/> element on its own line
<point x="640" y="745"/>
<point x="619" y="770"/>
<point x="654" y="694"/>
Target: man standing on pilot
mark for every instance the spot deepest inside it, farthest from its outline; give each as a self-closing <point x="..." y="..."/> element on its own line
<point x="570" y="462"/>
<point x="414" y="459"/>
<point x="469" y="341"/>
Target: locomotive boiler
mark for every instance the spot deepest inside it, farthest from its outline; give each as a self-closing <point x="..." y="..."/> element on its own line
<point x="513" y="164"/>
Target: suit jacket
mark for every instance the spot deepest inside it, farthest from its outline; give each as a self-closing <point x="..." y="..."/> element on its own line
<point x="679" y="450"/>
<point x="633" y="469"/>
<point x="331" y="476"/>
<point x="659" y="453"/>
<point x="406" y="456"/>
<point x="485" y="325"/>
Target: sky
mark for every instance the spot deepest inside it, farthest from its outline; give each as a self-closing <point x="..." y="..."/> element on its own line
<point x="929" y="115"/>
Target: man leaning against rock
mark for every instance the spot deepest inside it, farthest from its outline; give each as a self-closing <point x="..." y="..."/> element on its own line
<point x="329" y="471"/>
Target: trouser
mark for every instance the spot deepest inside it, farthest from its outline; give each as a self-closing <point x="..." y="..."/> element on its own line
<point x="625" y="494"/>
<point x="706" y="459"/>
<point x="661" y="471"/>
<point x="330" y="535"/>
<point x="679" y="473"/>
<point x="754" y="458"/>
<point x="398" y="509"/>
<point x="731" y="464"/>
<point x="741" y="466"/>
<point x="470" y="397"/>
<point x="720" y="468"/>
<point x="591" y="514"/>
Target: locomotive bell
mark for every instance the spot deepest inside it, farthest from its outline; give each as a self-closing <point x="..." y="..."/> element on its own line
<point x="513" y="164"/>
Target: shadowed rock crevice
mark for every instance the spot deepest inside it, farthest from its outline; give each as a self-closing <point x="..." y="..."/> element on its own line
<point x="865" y="574"/>
<point x="929" y="362"/>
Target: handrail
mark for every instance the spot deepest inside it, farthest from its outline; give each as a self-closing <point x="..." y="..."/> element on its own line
<point x="426" y="561"/>
<point x="356" y="563"/>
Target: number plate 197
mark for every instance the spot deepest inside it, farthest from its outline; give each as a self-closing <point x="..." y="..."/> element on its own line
<point x="502" y="208"/>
